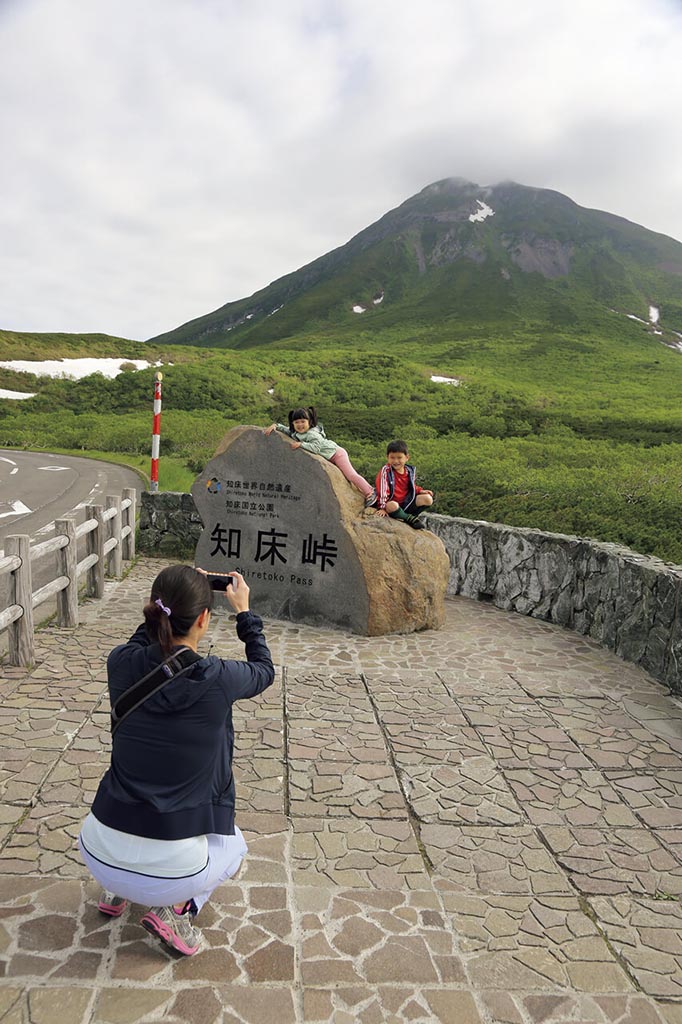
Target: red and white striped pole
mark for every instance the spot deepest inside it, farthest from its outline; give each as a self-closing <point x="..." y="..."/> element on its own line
<point x="156" y="433"/>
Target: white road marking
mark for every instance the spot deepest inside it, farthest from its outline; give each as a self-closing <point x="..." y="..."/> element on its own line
<point x="11" y="461"/>
<point x="54" y="469"/>
<point x="18" y="509"/>
<point x="13" y="471"/>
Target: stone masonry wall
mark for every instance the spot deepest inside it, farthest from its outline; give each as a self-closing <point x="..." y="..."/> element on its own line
<point x="627" y="602"/>
<point x="169" y="525"/>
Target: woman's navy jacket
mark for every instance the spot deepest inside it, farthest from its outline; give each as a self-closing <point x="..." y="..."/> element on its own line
<point x="171" y="762"/>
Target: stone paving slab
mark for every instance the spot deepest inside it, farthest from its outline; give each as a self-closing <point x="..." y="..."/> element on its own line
<point x="36" y="728"/>
<point x="474" y="792"/>
<point x="364" y="854"/>
<point x="44" y="842"/>
<point x="471" y="682"/>
<point x="647" y="935"/>
<point x="355" y="936"/>
<point x="342" y="1005"/>
<point x="543" y="746"/>
<point x="533" y="943"/>
<point x="480" y="825"/>
<point x="569" y="796"/>
<point x="420" y="682"/>
<point x="569" y="1007"/>
<point x="421" y="707"/>
<point x="81" y="766"/>
<point x="418" y="742"/>
<point x="344" y="788"/>
<point x="491" y="860"/>
<point x="258" y="737"/>
<point x="342" y="698"/>
<point x="260" y="785"/>
<point x="655" y="798"/>
<point x="25" y="695"/>
<point x="22" y="770"/>
<point x="615" y="860"/>
<point x="328" y="740"/>
<point x="612" y="737"/>
<point x="596" y="681"/>
<point x="494" y="708"/>
<point x="671" y="838"/>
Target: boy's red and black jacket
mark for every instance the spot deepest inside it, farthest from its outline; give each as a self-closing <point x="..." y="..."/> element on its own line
<point x="385" y="485"/>
<point x="171" y="759"/>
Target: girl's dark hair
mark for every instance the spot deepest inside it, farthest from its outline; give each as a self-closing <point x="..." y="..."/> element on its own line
<point x="184" y="593"/>
<point x="309" y="414"/>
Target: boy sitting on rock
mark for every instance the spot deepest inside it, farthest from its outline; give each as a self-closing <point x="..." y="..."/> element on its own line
<point x="397" y="495"/>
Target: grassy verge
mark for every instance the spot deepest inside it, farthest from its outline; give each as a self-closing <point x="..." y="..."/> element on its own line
<point x="174" y="474"/>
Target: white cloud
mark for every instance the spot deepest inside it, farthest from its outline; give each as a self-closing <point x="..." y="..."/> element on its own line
<point x="164" y="158"/>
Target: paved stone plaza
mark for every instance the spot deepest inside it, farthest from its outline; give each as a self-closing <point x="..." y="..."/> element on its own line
<point x="481" y="825"/>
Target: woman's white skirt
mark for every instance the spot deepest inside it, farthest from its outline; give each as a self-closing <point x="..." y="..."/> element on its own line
<point x="225" y="855"/>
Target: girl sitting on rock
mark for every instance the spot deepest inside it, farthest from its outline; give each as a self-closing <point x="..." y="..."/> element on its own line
<point x="308" y="434"/>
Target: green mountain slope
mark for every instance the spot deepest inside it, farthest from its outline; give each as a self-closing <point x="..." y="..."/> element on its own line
<point x="468" y="254"/>
<point x="565" y="416"/>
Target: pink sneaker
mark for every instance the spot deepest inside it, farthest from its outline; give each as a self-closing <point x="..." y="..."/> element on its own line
<point x="111" y="904"/>
<point x="176" y="930"/>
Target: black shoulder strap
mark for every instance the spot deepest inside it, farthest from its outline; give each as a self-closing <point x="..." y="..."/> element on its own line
<point x="150" y="684"/>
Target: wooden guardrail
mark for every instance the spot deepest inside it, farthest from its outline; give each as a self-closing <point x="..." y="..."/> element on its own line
<point x="104" y="555"/>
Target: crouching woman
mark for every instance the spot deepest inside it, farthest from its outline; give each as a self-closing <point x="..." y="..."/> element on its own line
<point x="161" y="831"/>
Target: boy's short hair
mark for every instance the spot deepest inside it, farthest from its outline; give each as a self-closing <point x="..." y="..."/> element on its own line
<point x="397" y="446"/>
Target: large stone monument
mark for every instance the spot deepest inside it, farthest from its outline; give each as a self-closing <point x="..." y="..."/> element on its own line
<point x="297" y="530"/>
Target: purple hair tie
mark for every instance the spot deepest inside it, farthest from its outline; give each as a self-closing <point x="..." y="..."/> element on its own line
<point x="163" y="607"/>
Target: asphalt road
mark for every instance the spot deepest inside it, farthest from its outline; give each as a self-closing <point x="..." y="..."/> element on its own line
<point x="37" y="487"/>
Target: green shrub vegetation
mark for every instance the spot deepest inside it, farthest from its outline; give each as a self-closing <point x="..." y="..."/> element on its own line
<point x="569" y="430"/>
<point x="568" y="415"/>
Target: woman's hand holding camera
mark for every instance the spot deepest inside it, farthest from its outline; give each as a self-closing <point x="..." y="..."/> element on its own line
<point x="238" y="594"/>
<point x="232" y="585"/>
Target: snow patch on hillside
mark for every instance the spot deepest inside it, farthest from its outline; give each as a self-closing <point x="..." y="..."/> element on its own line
<point x="651" y="323"/>
<point x="74" y="369"/>
<point x="18" y="395"/>
<point x="379" y="298"/>
<point x="483" y="212"/>
<point x="455" y="381"/>
<point x="359" y="309"/>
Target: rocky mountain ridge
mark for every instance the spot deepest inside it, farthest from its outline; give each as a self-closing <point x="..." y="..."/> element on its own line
<point x="472" y="253"/>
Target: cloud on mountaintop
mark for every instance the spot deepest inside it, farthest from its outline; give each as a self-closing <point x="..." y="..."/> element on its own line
<point x="170" y="156"/>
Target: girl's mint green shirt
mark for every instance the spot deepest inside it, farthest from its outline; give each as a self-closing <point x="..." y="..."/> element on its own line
<point x="314" y="440"/>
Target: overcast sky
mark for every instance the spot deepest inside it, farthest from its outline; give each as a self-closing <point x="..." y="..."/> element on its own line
<point x="163" y="157"/>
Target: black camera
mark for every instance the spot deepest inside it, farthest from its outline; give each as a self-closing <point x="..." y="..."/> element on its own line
<point x="219" y="580"/>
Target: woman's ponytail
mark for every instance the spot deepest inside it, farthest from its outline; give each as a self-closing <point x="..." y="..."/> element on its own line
<point x="158" y="623"/>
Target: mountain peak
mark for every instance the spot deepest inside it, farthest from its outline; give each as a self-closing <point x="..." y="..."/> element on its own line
<point x="449" y="186"/>
<point x="477" y="253"/>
